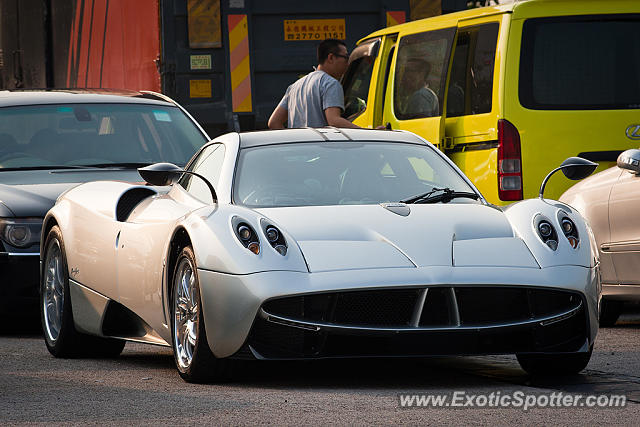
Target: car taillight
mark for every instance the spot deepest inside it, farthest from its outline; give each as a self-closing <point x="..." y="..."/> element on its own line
<point x="509" y="162"/>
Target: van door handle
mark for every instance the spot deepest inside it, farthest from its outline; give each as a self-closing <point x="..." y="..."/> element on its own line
<point x="17" y="69"/>
<point x="388" y="126"/>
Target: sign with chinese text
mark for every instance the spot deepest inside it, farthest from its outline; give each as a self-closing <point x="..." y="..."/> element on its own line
<point x="200" y="62"/>
<point x="314" y="29"/>
<point x="200" y="88"/>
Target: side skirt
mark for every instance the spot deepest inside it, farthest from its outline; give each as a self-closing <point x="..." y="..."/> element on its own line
<point x="95" y="314"/>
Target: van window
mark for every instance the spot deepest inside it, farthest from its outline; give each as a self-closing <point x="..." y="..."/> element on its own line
<point x="581" y="63"/>
<point x="471" y="81"/>
<point x="421" y="73"/>
<point x="356" y="86"/>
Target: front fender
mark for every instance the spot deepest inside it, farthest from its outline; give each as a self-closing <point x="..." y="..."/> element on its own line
<point x="522" y="217"/>
<point x="218" y="249"/>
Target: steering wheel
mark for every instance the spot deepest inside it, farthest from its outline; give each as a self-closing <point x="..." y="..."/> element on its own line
<point x="13" y="155"/>
<point x="266" y="194"/>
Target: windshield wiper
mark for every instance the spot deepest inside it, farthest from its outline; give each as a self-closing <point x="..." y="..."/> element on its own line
<point x="45" y="167"/>
<point x="436" y="195"/>
<point x="124" y="165"/>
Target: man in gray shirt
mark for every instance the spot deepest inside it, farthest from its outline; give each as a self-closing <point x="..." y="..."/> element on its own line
<point x="317" y="99"/>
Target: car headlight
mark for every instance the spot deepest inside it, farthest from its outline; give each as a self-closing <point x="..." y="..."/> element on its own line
<point x="546" y="232"/>
<point x="274" y="237"/>
<point x="20" y="232"/>
<point x="569" y="229"/>
<point x="246" y="234"/>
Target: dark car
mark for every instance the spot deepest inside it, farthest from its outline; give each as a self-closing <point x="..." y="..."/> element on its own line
<point x="53" y="140"/>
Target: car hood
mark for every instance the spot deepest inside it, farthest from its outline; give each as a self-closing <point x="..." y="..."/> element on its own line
<point x="372" y="236"/>
<point x="32" y="200"/>
<point x="33" y="193"/>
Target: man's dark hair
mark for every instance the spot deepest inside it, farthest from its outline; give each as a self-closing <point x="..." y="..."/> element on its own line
<point x="328" y="46"/>
<point x="423" y="65"/>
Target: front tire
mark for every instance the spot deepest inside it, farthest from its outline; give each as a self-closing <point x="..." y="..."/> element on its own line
<point x="56" y="315"/>
<point x="194" y="360"/>
<point x="610" y="310"/>
<point x="554" y="364"/>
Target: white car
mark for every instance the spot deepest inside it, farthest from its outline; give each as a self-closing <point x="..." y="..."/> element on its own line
<point x="316" y="243"/>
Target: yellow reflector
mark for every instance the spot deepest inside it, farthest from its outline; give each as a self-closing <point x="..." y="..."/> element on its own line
<point x="573" y="242"/>
<point x="254" y="247"/>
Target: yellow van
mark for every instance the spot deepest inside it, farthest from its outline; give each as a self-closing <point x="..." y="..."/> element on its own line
<point x="508" y="92"/>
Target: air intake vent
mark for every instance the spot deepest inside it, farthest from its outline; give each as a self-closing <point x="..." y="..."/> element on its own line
<point x="129" y="200"/>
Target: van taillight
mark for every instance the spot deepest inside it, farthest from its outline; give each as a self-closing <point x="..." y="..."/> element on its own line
<point x="509" y="162"/>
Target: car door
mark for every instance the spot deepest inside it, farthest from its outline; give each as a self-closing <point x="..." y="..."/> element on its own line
<point x="141" y="250"/>
<point x="143" y="241"/>
<point x="624" y="223"/>
<point x="415" y="94"/>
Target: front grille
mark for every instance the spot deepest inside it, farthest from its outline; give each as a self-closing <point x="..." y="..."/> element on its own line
<point x="447" y="320"/>
<point x="375" y="308"/>
<point x="359" y="308"/>
<point x="443" y="306"/>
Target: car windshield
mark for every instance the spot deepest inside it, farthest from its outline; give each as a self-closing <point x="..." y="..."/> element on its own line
<point x="75" y="135"/>
<point x="316" y="174"/>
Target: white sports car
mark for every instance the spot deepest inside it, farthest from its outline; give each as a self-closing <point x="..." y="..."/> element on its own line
<point x="316" y="243"/>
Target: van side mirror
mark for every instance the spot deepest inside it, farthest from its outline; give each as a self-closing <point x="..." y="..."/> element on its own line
<point x="575" y="168"/>
<point x="354" y="108"/>
<point x="630" y="160"/>
<point x="167" y="173"/>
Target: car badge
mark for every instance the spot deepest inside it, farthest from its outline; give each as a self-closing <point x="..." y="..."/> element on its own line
<point x="397" y="208"/>
<point x="633" y="132"/>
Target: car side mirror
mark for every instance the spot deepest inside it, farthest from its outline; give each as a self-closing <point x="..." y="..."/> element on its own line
<point x="630" y="160"/>
<point x="167" y="173"/>
<point x="160" y="173"/>
<point x="575" y="168"/>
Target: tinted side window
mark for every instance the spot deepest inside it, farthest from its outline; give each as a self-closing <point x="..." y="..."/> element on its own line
<point x="421" y="73"/>
<point x="209" y="165"/>
<point x="356" y="86"/>
<point x="471" y="82"/>
<point x="581" y="63"/>
<point x="96" y="134"/>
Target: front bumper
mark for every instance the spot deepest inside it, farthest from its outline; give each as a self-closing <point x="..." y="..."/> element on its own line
<point x="19" y="282"/>
<point x="621" y="292"/>
<point x="263" y="315"/>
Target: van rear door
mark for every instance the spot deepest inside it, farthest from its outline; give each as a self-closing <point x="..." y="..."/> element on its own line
<point x="577" y="80"/>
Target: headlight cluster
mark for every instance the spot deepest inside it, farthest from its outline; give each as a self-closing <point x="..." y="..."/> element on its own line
<point x="20" y="232"/>
<point x="547" y="232"/>
<point x="250" y="240"/>
<point x="274" y="236"/>
<point x="569" y="229"/>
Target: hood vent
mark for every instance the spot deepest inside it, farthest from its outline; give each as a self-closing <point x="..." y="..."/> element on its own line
<point x="397" y="208"/>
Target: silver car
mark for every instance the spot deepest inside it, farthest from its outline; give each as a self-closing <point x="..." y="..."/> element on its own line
<point x="316" y="243"/>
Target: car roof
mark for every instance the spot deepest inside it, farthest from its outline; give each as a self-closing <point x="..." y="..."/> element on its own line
<point x="11" y="98"/>
<point x="288" y="136"/>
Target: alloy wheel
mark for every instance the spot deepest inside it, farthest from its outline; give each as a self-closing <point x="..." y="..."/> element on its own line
<point x="53" y="300"/>
<point x="186" y="318"/>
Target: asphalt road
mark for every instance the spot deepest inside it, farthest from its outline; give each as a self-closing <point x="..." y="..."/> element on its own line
<point x="141" y="387"/>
